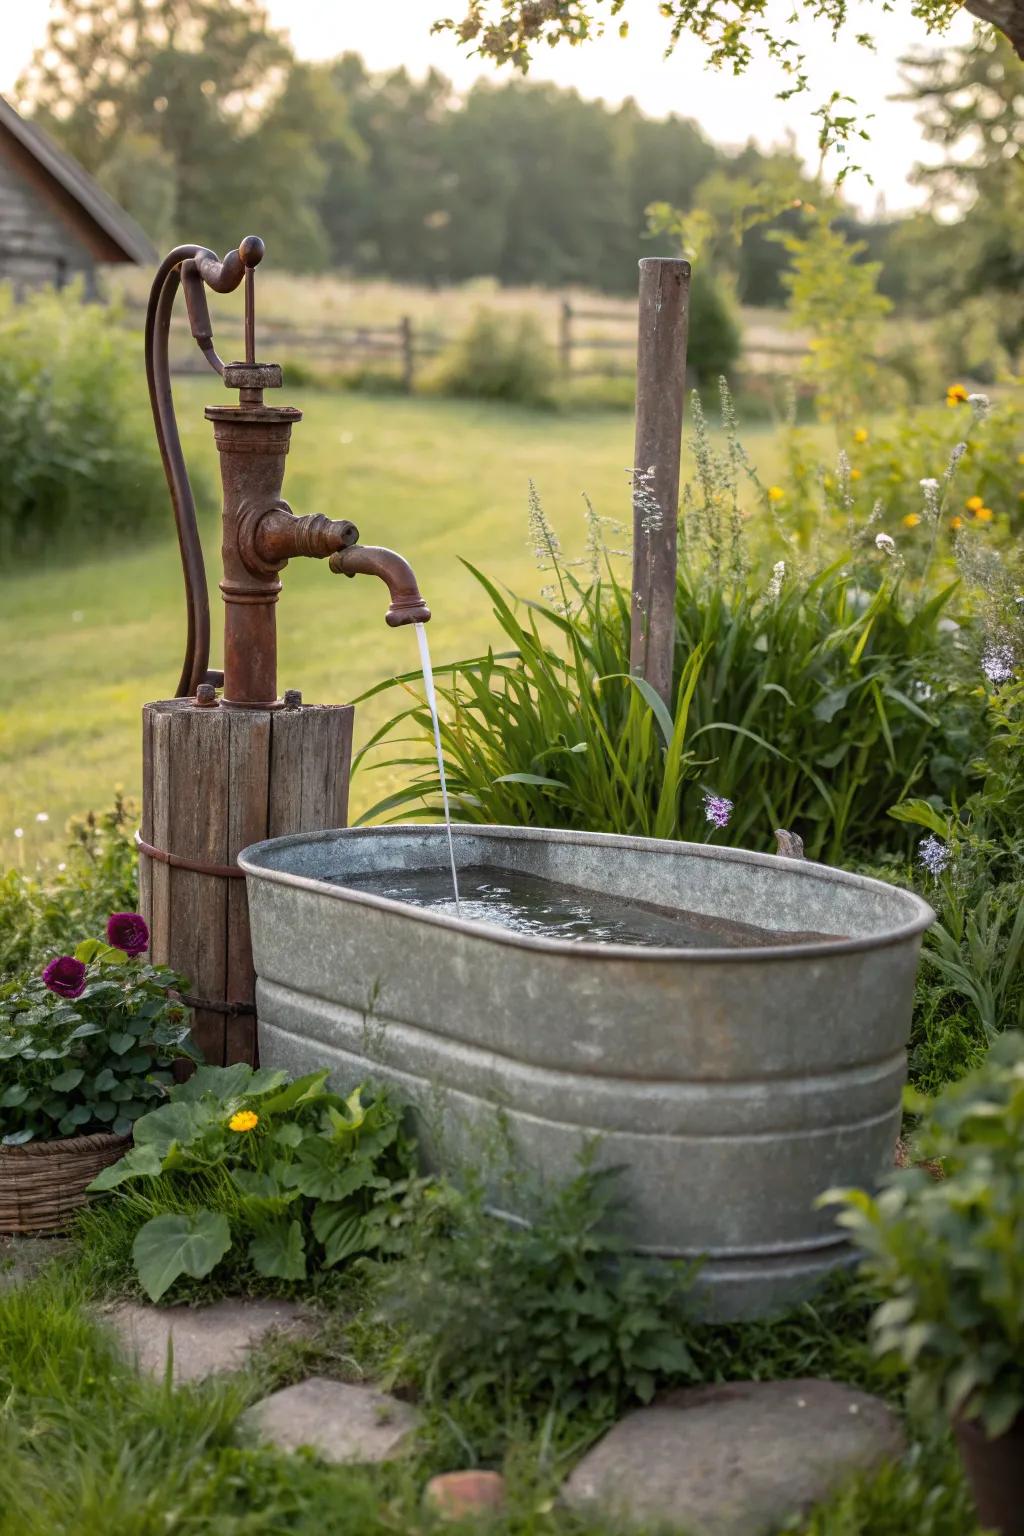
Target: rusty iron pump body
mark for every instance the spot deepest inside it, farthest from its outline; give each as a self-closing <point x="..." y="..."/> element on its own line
<point x="221" y="773"/>
<point x="260" y="532"/>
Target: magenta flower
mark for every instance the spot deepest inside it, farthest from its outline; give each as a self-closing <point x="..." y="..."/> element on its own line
<point x="127" y="931"/>
<point x="66" y="976"/>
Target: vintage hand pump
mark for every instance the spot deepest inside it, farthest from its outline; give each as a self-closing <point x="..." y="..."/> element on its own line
<point x="221" y="772"/>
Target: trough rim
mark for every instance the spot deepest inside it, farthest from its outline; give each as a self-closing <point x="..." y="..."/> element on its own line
<point x="493" y="933"/>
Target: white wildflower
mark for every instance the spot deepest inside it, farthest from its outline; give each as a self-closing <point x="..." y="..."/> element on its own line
<point x="997" y="662"/>
<point x="885" y="543"/>
<point x="644" y="500"/>
<point x="778" y="577"/>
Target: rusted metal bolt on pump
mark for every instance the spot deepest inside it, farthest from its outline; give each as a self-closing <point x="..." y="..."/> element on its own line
<point x="221" y="773"/>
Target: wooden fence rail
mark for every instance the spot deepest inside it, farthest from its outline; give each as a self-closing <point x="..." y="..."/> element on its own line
<point x="588" y="342"/>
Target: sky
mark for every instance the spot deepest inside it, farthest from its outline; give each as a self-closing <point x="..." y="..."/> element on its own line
<point x="389" y="33"/>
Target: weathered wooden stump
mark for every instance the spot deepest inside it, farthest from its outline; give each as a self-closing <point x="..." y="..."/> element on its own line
<point x="214" y="780"/>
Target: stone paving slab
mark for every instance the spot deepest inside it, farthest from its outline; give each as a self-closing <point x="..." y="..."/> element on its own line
<point x="23" y="1257"/>
<point x="205" y="1340"/>
<point x="738" y="1459"/>
<point x="341" y="1422"/>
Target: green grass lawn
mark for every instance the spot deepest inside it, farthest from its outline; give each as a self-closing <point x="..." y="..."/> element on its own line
<point x="88" y="643"/>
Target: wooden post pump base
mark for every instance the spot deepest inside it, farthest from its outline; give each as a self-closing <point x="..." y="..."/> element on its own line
<point x="214" y="780"/>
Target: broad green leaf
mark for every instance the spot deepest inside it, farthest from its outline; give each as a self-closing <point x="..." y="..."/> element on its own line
<point x="65" y="1081"/>
<point x="120" y="1042"/>
<point x="279" y="1250"/>
<point x="222" y="1083"/>
<point x="289" y="1134"/>
<point x="174" y="1245"/>
<point x="14" y="1096"/>
<point x="341" y="1233"/>
<point x="173" y="1124"/>
<point x="139" y="1162"/>
<point x="320" y="1172"/>
<point x="299" y="1092"/>
<point x="87" y="951"/>
<point x="921" y="814"/>
<point x="85" y="1030"/>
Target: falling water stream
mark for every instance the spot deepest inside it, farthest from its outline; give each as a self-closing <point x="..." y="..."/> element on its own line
<point x="428" y="683"/>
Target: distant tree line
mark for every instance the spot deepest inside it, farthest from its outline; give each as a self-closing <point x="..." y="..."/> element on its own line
<point x="198" y="118"/>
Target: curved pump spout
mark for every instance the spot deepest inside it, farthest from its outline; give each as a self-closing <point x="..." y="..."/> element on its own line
<point x="407" y="606"/>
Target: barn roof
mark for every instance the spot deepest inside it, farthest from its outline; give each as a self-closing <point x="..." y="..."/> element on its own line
<point x="100" y="223"/>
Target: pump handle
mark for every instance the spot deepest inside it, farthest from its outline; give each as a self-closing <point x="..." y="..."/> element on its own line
<point x="195" y="268"/>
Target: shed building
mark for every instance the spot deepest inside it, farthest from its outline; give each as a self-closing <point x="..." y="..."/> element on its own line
<point x="56" y="222"/>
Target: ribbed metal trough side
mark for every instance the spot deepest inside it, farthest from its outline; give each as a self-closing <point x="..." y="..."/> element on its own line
<point x="731" y="1086"/>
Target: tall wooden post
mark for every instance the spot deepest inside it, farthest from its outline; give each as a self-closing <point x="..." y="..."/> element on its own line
<point x="408" y="354"/>
<point x="565" y="338"/>
<point x="660" y="385"/>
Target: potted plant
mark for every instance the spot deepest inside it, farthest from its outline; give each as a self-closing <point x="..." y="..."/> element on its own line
<point x="948" y="1255"/>
<point x="85" y="1049"/>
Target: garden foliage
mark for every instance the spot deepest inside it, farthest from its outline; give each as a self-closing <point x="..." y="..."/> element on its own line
<point x="88" y="1045"/>
<point x="97" y="875"/>
<point x="77" y="459"/>
<point x="261" y="1176"/>
<point x="946" y="1252"/>
<point x="559" y="1311"/>
<point x="814" y="697"/>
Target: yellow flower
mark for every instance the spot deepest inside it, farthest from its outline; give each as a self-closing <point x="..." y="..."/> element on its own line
<point x="911" y="520"/>
<point x="973" y="503"/>
<point x="854" y="474"/>
<point x="775" y="493"/>
<point x="955" y="394"/>
<point x="1020" y="458"/>
<point x="956" y="522"/>
<point x="861" y="435"/>
<point x="984" y="514"/>
<point x="244" y="1120"/>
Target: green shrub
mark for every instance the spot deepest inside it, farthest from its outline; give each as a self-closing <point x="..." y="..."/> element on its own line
<point x="78" y="461"/>
<point x="948" y="1252"/>
<point x="254" y="1177"/>
<point x="500" y="357"/>
<point x="99" y="875"/>
<point x="888" y="462"/>
<point x="714" y="341"/>
<point x="555" y="1312"/>
<point x="88" y="1045"/>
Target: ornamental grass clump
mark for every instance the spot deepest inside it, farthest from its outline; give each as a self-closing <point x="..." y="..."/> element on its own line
<point x="86" y="1046"/>
<point x="246" y="1180"/>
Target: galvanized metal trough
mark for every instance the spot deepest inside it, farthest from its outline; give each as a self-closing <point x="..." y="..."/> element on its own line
<point x="731" y="1085"/>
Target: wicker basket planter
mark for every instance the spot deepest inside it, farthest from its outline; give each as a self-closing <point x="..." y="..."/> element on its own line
<point x="43" y="1183"/>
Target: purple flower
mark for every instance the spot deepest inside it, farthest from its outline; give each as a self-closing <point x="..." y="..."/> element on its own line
<point x="65" y="976"/>
<point x="934" y="854"/>
<point x="127" y="931"/>
<point x="717" y="809"/>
